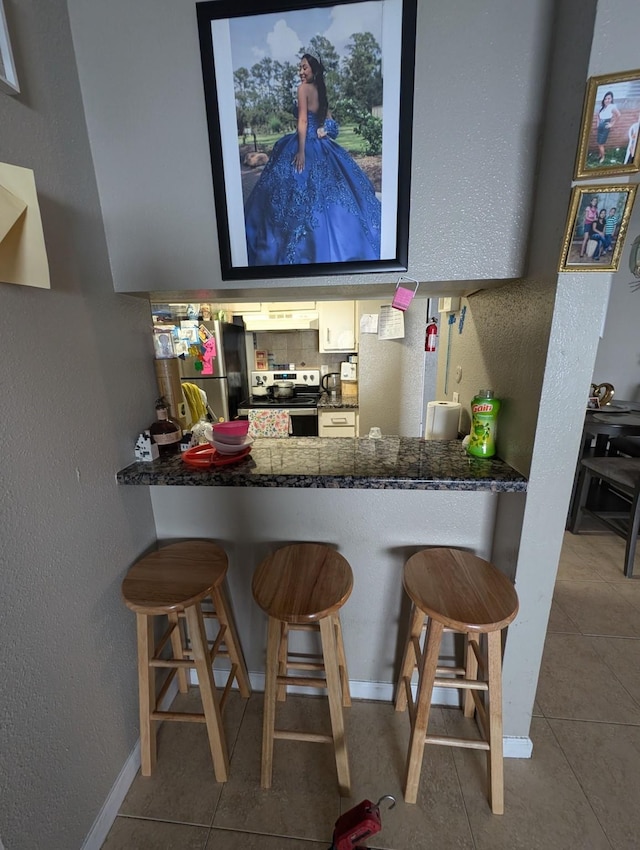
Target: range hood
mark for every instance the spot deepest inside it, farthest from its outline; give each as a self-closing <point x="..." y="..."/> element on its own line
<point x="285" y="320"/>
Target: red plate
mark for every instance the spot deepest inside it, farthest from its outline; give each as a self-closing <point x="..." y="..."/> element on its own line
<point x="206" y="455"/>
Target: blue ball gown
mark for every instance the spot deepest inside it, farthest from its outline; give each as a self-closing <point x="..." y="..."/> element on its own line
<point x="328" y="213"/>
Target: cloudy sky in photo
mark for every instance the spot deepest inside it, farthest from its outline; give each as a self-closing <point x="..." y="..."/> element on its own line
<point x="281" y="35"/>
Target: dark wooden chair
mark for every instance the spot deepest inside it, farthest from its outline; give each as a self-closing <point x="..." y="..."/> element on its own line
<point x="609" y="491"/>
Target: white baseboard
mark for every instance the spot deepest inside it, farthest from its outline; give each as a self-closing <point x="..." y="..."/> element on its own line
<point x="513" y="747"/>
<point x="103" y="823"/>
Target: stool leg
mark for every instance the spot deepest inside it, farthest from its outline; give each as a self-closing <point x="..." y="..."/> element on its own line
<point x="147" y="693"/>
<point x="283" y="654"/>
<point x="409" y="659"/>
<point x="332" y="672"/>
<point x="342" y="661"/>
<point x="495" y="754"/>
<point x="426" y="677"/>
<point x="270" y="693"/>
<point x="232" y="641"/>
<point x="471" y="672"/>
<point x="178" y="651"/>
<point x="210" y="703"/>
<point x="632" y="534"/>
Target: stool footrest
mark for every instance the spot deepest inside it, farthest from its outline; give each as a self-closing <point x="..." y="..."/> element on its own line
<point x="305" y="665"/>
<point x="310" y="737"/>
<point x="447" y="741"/>
<point x="462" y="684"/>
<point x="188" y="716"/>
<point x="302" y="681"/>
<point x="171" y="662"/>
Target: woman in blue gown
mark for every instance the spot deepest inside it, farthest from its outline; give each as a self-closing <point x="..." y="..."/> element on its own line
<point x="312" y="203"/>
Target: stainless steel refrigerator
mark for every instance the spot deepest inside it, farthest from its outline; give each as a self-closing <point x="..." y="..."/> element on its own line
<point x="229" y="383"/>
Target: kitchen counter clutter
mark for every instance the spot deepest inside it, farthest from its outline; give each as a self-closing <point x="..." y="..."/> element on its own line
<point x="396" y="463"/>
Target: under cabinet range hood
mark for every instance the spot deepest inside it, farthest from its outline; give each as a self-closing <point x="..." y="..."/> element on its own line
<point x="285" y="320"/>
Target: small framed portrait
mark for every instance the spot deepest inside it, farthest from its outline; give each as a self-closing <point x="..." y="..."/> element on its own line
<point x="596" y="225"/>
<point x="8" y="75"/>
<point x="309" y="109"/>
<point x="610" y="124"/>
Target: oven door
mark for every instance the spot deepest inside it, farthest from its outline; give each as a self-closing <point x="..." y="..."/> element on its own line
<point x="304" y="423"/>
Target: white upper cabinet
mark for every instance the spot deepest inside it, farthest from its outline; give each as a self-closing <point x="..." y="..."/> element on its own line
<point x="337" y="326"/>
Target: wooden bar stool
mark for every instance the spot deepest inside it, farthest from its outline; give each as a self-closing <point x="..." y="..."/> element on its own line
<point x="302" y="587"/>
<point x="173" y="581"/>
<point x="456" y="591"/>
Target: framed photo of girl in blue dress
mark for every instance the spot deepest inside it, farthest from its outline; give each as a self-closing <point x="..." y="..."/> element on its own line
<point x="610" y="125"/>
<point x="309" y="109"/>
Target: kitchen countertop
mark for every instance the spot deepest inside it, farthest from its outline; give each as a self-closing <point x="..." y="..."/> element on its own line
<point x="396" y="463"/>
<point x="325" y="402"/>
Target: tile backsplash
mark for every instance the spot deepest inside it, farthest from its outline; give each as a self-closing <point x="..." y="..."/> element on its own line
<point x="299" y="347"/>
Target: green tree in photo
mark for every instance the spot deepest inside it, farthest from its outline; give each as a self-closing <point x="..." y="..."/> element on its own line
<point x="362" y="71"/>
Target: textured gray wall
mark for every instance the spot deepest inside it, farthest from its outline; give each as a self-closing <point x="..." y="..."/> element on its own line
<point x="391" y="374"/>
<point x="76" y="378"/>
<point x="478" y="84"/>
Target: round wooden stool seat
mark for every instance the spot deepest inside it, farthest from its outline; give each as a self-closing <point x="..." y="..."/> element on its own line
<point x="302" y="583"/>
<point x="456" y="591"/>
<point x="462" y="591"/>
<point x="302" y="587"/>
<point x="173" y="581"/>
<point x="174" y="577"/>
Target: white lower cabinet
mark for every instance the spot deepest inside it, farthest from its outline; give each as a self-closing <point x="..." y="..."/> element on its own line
<point x="337" y="423"/>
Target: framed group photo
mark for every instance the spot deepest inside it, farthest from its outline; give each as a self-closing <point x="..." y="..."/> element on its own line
<point x="596" y="225"/>
<point x="309" y="109"/>
<point x="610" y="124"/>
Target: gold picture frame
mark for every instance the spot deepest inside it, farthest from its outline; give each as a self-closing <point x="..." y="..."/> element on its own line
<point x="610" y="126"/>
<point x="587" y="246"/>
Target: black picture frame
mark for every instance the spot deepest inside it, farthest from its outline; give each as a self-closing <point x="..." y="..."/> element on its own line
<point x="229" y="32"/>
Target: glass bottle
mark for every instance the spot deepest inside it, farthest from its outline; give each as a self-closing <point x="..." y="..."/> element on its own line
<point x="164" y="431"/>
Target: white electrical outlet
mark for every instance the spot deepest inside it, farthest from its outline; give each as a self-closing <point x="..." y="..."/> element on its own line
<point x="456" y="397"/>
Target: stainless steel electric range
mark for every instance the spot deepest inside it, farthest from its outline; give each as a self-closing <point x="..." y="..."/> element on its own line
<point x="302" y="407"/>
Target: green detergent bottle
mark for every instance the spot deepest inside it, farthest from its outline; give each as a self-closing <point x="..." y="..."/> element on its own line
<point x="484" y="424"/>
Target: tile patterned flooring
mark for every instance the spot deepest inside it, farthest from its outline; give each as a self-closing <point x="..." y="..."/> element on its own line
<point x="580" y="791"/>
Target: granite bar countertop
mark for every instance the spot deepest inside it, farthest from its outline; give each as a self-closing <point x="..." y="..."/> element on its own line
<point x="396" y="463"/>
<point x="325" y="402"/>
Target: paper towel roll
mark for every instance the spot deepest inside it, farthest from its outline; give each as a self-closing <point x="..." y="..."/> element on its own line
<point x="443" y="418"/>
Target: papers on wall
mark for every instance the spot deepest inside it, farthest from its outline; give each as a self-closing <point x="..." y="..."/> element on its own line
<point x="23" y="256"/>
<point x="369" y="323"/>
<point x="391" y="323"/>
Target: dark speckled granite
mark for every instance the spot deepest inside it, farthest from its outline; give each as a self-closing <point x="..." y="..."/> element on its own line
<point x="396" y="463"/>
<point x="325" y="402"/>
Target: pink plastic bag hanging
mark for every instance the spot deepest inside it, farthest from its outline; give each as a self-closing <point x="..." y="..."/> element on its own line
<point x="403" y="296"/>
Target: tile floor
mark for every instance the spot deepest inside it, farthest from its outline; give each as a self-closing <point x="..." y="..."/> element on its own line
<point x="580" y="791"/>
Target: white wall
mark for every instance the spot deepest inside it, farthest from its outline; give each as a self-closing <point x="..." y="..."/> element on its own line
<point x="76" y="378"/>
<point x="618" y="358"/>
<point x="391" y="374"/>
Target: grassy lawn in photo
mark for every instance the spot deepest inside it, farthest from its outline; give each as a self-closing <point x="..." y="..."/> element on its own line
<point x="348" y="139"/>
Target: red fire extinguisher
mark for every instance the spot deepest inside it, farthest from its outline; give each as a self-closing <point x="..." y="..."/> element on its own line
<point x="432" y="333"/>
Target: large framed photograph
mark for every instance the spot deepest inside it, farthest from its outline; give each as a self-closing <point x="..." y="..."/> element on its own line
<point x="309" y="109"/>
<point x="8" y="75"/>
<point x="610" y="123"/>
<point x="596" y="225"/>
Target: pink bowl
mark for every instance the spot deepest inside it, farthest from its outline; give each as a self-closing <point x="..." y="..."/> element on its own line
<point x="233" y="433"/>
